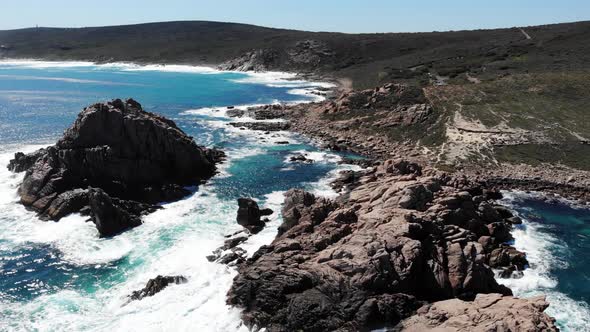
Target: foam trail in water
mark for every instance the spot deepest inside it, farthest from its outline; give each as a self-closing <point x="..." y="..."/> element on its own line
<point x="544" y="254"/>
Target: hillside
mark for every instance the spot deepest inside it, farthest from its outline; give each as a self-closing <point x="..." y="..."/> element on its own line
<point x="498" y="96"/>
<point x="366" y="59"/>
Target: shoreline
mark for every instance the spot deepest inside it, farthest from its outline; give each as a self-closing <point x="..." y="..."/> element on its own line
<point x="326" y="137"/>
<point x="385" y="152"/>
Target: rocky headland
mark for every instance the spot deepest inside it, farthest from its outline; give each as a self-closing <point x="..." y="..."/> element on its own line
<point x="397" y="239"/>
<point x="395" y="120"/>
<point x="115" y="163"/>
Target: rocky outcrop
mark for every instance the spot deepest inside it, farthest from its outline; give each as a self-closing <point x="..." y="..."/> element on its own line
<point x="262" y="125"/>
<point x="249" y="215"/>
<point x="135" y="158"/>
<point x="23" y="162"/>
<point x="110" y="216"/>
<point x="379" y="122"/>
<point x="258" y="60"/>
<point x="402" y="235"/>
<point x="266" y="112"/>
<point x="407" y="104"/>
<point x="302" y="55"/>
<point x="156" y="285"/>
<point x="488" y="312"/>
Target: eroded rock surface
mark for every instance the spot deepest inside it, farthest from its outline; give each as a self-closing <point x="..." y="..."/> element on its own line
<point x="135" y="157"/>
<point x="489" y="312"/>
<point x="401" y="236"/>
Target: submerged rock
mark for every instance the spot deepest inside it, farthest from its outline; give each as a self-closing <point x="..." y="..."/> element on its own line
<point x="300" y="158"/>
<point x="132" y="156"/>
<point x="156" y="285"/>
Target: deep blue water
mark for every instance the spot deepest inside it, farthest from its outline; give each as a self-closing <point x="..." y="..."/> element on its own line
<point x="556" y="238"/>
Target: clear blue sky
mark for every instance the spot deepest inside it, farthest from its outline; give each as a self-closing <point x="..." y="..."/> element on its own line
<point x="317" y="15"/>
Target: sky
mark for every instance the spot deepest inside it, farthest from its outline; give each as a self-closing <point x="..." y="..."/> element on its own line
<point x="318" y="15"/>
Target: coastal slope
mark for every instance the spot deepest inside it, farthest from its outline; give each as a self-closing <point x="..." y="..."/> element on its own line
<point x="365" y="60"/>
<point x="497" y="97"/>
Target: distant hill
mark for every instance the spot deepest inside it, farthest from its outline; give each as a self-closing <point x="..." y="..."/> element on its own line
<point x="515" y="95"/>
<point x="366" y="59"/>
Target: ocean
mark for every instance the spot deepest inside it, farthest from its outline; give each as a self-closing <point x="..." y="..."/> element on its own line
<point x="61" y="276"/>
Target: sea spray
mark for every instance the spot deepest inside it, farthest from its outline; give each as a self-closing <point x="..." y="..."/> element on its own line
<point x="548" y="253"/>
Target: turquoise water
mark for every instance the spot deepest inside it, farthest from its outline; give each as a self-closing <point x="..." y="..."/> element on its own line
<point x="61" y="276"/>
<point x="556" y="238"/>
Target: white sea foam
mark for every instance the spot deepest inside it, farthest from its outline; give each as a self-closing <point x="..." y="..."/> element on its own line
<point x="315" y="156"/>
<point x="280" y="80"/>
<point x="31" y="63"/>
<point x="67" y="80"/>
<point x="544" y="253"/>
<point x="172" y="241"/>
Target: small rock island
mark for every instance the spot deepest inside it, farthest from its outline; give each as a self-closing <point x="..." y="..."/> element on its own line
<point x="114" y="164"/>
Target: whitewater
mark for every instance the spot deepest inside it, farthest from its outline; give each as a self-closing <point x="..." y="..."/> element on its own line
<point x="61" y="276"/>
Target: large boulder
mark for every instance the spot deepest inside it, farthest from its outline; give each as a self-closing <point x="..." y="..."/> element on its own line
<point x="489" y="312"/>
<point x="130" y="154"/>
<point x="249" y="215"/>
<point x="109" y="217"/>
<point x="156" y="285"/>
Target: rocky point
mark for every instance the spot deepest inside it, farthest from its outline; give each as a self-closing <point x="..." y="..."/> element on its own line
<point x="401" y="237"/>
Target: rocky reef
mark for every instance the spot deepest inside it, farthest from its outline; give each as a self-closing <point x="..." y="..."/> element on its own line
<point x="115" y="163"/>
<point x="399" y="238"/>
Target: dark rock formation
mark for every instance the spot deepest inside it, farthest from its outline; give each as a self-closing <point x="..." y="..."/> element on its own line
<point x="109" y="217"/>
<point x="266" y="112"/>
<point x="23" y="162"/>
<point x="300" y="158"/>
<point x="133" y="156"/>
<point x="263" y="126"/>
<point x="259" y="60"/>
<point x="402" y="235"/>
<point x="156" y="285"/>
<point x="249" y="215"/>
<point x="489" y="312"/>
<point x="508" y="256"/>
